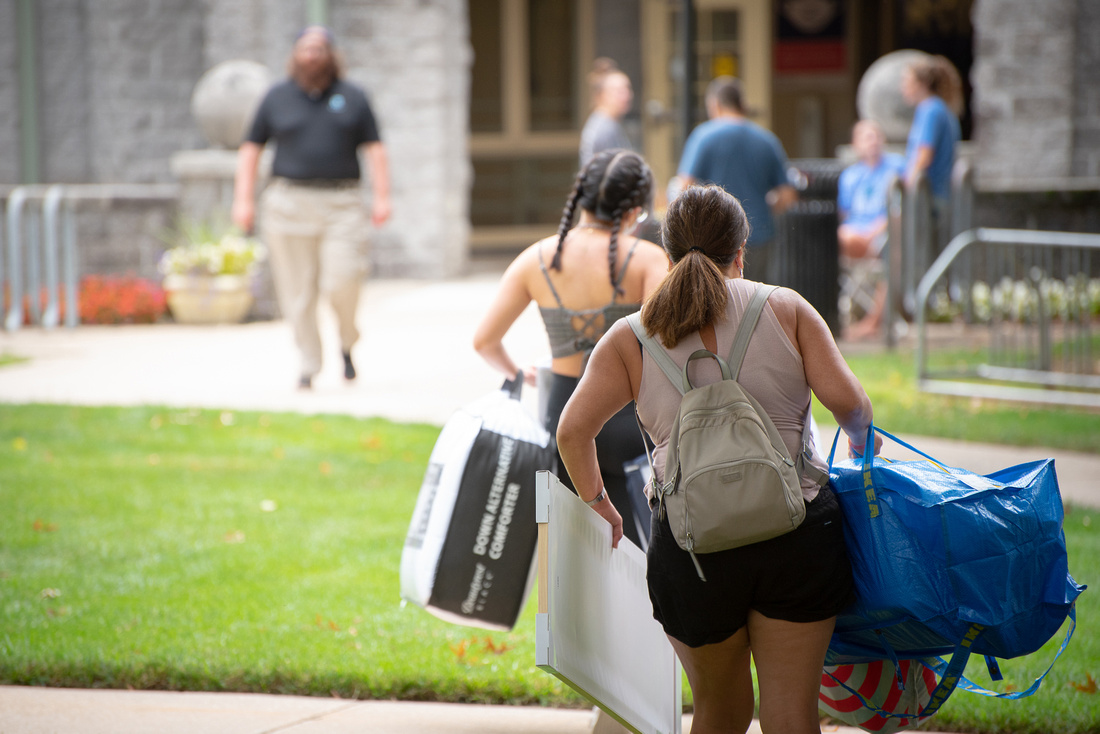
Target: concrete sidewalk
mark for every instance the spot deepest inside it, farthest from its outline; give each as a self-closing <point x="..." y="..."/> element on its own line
<point x="415" y="364"/>
<point x="25" y="710"/>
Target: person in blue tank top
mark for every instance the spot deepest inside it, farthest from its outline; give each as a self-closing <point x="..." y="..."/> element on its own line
<point x="747" y="161"/>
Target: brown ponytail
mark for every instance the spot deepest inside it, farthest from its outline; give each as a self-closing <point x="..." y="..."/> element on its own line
<point x="704" y="230"/>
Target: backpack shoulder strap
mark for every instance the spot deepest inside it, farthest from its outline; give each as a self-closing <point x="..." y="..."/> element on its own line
<point x="737" y="356"/>
<point x="747" y="326"/>
<point x="659" y="354"/>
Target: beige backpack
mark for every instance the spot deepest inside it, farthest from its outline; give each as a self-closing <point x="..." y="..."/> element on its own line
<point x="729" y="479"/>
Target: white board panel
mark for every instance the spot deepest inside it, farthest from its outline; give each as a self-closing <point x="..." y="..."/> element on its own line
<point x="595" y="628"/>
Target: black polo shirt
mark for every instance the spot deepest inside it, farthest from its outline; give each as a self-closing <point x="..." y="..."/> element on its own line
<point x="316" y="137"/>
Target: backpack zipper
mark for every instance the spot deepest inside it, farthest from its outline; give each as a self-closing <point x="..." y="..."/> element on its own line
<point x="691" y="552"/>
<point x="714" y="467"/>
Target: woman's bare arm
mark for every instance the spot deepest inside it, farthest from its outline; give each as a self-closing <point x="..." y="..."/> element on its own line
<point x="511" y="299"/>
<point x="830" y="377"/>
<point x="603" y="391"/>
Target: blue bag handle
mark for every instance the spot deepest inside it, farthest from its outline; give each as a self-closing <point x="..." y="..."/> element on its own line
<point x="869" y="443"/>
<point x="868" y="460"/>
<point x="951" y="673"/>
<point x="968" y="685"/>
<point x="868" y="457"/>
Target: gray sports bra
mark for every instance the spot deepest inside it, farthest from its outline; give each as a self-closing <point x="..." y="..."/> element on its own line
<point x="571" y="331"/>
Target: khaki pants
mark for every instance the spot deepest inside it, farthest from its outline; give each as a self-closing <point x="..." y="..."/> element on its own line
<point x="317" y="239"/>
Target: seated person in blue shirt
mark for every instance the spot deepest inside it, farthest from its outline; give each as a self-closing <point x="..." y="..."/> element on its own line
<point x="863" y="190"/>
<point x="862" y="200"/>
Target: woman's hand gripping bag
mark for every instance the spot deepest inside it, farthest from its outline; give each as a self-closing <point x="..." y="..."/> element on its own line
<point x="469" y="555"/>
<point x="949" y="561"/>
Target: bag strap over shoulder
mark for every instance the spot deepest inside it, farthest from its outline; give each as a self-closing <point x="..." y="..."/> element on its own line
<point x="737" y="355"/>
<point x="659" y="354"/>
<point x="747" y="327"/>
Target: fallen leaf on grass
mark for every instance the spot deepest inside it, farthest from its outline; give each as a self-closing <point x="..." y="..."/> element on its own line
<point x="326" y="468"/>
<point x="1088" y="687"/>
<point x="460" y="649"/>
<point x="44" y="527"/>
<point x="321" y="623"/>
<point x="495" y="648"/>
<point x="234" y="536"/>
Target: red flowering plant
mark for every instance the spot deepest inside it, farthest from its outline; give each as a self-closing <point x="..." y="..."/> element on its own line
<point x="123" y="299"/>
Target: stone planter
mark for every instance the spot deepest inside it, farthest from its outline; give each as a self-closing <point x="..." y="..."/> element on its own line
<point x="213" y="299"/>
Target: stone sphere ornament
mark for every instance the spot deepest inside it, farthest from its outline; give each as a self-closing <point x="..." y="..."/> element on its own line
<point x="225" y="100"/>
<point x="878" y="96"/>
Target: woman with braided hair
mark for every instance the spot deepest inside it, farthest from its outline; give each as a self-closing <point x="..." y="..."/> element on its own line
<point x="584" y="279"/>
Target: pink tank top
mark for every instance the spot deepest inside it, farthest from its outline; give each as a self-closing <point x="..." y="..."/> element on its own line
<point x="772" y="373"/>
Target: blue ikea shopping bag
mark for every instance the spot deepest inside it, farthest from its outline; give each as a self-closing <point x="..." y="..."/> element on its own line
<point x="948" y="562"/>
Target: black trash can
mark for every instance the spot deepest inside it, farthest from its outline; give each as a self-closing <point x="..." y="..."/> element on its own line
<point x="806" y="248"/>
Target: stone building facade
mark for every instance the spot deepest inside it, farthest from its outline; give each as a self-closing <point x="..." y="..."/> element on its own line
<point x="1037" y="93"/>
<point x="112" y="81"/>
<point x="1037" y="112"/>
<point x="115" y="78"/>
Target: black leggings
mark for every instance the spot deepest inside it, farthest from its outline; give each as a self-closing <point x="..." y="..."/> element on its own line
<point x="618" y="442"/>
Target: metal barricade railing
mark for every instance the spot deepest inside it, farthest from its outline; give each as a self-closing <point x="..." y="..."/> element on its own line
<point x="1031" y="302"/>
<point x="41" y="246"/>
<point x="917" y="237"/>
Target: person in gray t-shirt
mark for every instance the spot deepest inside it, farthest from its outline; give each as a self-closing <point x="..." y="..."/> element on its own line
<point x="612" y="96"/>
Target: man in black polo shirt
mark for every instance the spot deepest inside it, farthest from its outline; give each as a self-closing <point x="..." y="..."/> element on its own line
<point x="312" y="216"/>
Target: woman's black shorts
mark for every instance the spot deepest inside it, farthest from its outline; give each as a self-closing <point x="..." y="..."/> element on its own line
<point x="803" y="576"/>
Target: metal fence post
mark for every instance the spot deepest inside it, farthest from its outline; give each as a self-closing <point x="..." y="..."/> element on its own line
<point x="69" y="264"/>
<point x="51" y="206"/>
<point x="14" y="318"/>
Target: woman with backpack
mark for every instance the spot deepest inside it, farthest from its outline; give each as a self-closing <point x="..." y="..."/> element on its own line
<point x="775" y="601"/>
<point x="584" y="279"/>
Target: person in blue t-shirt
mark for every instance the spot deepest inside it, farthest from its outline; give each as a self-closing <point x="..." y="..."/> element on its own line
<point x="932" y="85"/>
<point x="747" y="161"/>
<point x="862" y="199"/>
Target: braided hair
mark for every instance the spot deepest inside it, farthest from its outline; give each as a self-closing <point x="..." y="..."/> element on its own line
<point x="612" y="183"/>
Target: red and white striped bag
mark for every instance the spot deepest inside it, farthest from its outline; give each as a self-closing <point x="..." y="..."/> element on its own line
<point x="877" y="683"/>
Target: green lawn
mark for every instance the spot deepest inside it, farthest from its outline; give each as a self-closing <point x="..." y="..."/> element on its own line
<point x="211" y="550"/>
